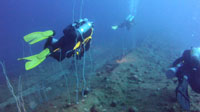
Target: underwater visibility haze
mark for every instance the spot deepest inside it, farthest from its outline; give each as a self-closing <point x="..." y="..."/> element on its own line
<point x="99" y="55"/>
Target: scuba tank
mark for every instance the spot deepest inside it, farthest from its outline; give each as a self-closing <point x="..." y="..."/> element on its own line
<point x="195" y="57"/>
<point x="84" y="30"/>
<point x="130" y="18"/>
<point x="86" y="26"/>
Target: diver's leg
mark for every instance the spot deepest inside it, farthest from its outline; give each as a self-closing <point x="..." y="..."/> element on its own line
<point x="58" y="56"/>
<point x="182" y="93"/>
<point x="50" y="42"/>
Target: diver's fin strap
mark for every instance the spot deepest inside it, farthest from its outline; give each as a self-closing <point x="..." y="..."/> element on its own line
<point x="35" y="60"/>
<point x="35" y="37"/>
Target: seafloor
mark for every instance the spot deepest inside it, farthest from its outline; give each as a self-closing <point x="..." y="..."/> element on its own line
<point x="134" y="82"/>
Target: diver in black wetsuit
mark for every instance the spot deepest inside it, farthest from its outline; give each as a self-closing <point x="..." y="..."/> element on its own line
<point x="187" y="70"/>
<point x="128" y="22"/>
<point x="77" y="33"/>
<point x="75" y="42"/>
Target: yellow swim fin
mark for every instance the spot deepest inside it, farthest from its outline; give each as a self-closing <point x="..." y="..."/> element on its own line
<point x="35" y="60"/>
<point x="35" y="37"/>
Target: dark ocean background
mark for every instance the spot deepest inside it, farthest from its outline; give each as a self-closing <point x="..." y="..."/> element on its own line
<point x="177" y="20"/>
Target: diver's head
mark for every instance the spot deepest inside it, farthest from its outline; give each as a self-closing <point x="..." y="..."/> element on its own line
<point x="195" y="57"/>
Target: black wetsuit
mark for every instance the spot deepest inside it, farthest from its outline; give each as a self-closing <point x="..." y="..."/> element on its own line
<point x="126" y="24"/>
<point x="188" y="74"/>
<point x="67" y="42"/>
<point x="187" y="68"/>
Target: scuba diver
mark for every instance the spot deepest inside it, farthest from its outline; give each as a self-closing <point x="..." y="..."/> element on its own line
<point x="128" y="22"/>
<point x="74" y="42"/>
<point x="187" y="70"/>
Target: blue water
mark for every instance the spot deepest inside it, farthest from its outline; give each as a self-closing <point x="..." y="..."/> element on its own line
<point x="177" y="19"/>
<point x="20" y="17"/>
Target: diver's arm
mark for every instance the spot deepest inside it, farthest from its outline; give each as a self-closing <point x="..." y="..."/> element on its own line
<point x="178" y="61"/>
<point x="184" y="57"/>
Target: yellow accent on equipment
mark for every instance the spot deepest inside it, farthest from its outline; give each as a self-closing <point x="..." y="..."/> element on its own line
<point x="77" y="53"/>
<point x="35" y="60"/>
<point x="77" y="45"/>
<point x="84" y="42"/>
<point x="56" y="50"/>
<point x="88" y="38"/>
<point x="35" y="37"/>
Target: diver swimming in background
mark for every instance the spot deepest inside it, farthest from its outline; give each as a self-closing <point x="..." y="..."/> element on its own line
<point x="128" y="23"/>
<point x="187" y="70"/>
<point x="76" y="41"/>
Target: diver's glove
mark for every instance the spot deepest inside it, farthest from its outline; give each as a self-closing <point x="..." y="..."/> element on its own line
<point x="182" y="94"/>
